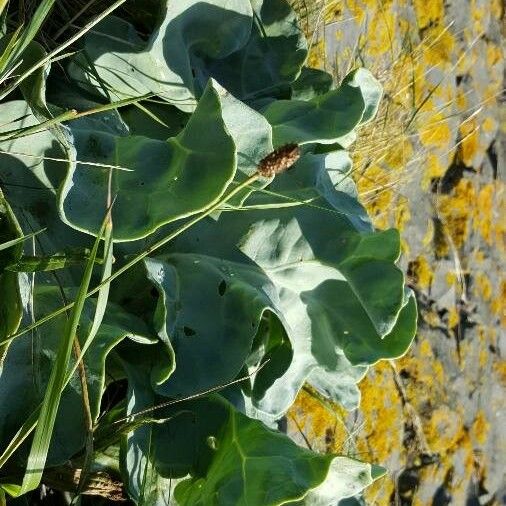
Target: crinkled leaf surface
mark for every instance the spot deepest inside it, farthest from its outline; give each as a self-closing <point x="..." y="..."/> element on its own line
<point x="127" y="66"/>
<point x="254" y="49"/>
<point x="29" y="362"/>
<point x="269" y="61"/>
<point x="328" y="118"/>
<point x="227" y="454"/>
<point x="337" y="291"/>
<point x="169" y="179"/>
<point x="341" y="295"/>
<point x="297" y="281"/>
<point x="251" y="464"/>
<point x="212" y="305"/>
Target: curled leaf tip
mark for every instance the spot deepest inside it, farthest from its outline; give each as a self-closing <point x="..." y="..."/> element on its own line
<point x="279" y="160"/>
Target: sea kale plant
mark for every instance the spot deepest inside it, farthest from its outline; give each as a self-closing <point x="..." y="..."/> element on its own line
<point x="182" y="250"/>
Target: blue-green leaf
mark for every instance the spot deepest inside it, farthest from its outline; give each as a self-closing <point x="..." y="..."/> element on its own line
<point x="329" y="118"/>
<point x="125" y="66"/>
<point x="168" y="180"/>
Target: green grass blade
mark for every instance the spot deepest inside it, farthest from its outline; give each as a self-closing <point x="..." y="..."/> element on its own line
<point x="24" y="431"/>
<point x="31" y="422"/>
<point x="100" y="309"/>
<point x="9" y="49"/>
<point x="3" y="5"/>
<point x="9" y="89"/>
<point x="68" y="116"/>
<point x="11" y="489"/>
<point x="22" y="38"/>
<point x="47" y="417"/>
<point x="38" y="18"/>
<point x="13" y="242"/>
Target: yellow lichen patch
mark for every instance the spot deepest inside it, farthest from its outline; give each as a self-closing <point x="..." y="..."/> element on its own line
<point x="484" y="219"/>
<point x="431" y="318"/>
<point x="485" y="222"/>
<point x="489" y="125"/>
<point x="402" y="214"/>
<point x="497" y="9"/>
<point x="429" y="234"/>
<point x="464" y="452"/>
<point x="357" y="10"/>
<point x="318" y="422"/>
<point x="478" y="256"/>
<point x="316" y="57"/>
<point x="382" y="431"/>
<point x="405" y="249"/>
<point x="382" y="409"/>
<point x="439" y="47"/>
<point x="484" y="354"/>
<point x="480" y="428"/>
<point x="455" y="211"/>
<point x="447" y="436"/>
<point x="426" y="373"/>
<point x="470" y="141"/>
<point x="453" y="317"/>
<point x="333" y="12"/>
<point x="421" y="273"/>
<point x="428" y="12"/>
<point x="493" y="90"/>
<point x="498" y="304"/>
<point x="483" y="287"/>
<point x="397" y="156"/>
<point x="436" y="134"/>
<point x="477" y="15"/>
<point x="483" y="358"/>
<point x="381" y="39"/>
<point x="426" y="349"/>
<point x="434" y="168"/>
<point x="465" y="65"/>
<point x="500" y="370"/>
<point x="451" y="278"/>
<point x="444" y="429"/>
<point x="374" y="189"/>
<point x="461" y="100"/>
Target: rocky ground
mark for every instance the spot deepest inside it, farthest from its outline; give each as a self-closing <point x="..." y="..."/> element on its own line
<point x="432" y="164"/>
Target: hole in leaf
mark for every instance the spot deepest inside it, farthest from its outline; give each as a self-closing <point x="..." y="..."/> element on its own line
<point x="212" y="442"/>
<point x="188" y="332"/>
<point x="222" y="287"/>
